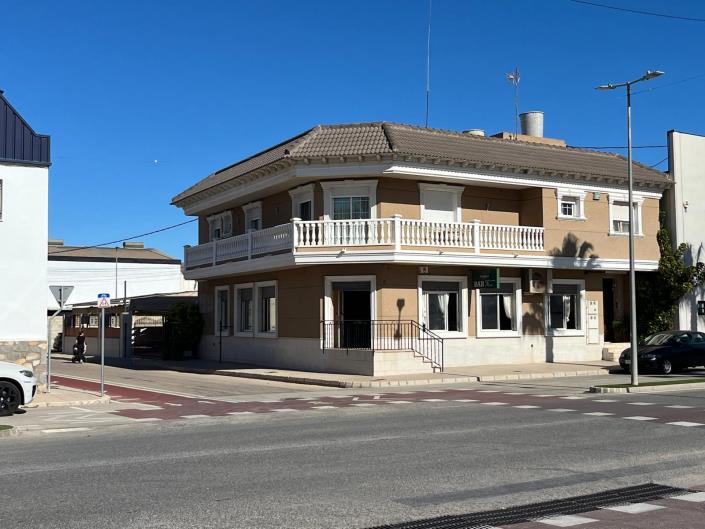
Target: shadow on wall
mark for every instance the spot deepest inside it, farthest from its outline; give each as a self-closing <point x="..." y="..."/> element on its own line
<point x="533" y="323"/>
<point x="573" y="248"/>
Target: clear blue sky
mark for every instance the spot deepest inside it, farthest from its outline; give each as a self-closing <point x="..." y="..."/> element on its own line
<point x="198" y="85"/>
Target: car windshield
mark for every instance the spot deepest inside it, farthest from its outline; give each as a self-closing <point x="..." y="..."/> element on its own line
<point x="658" y="339"/>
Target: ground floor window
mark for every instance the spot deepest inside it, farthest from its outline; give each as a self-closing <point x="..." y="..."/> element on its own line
<point x="267" y="301"/>
<point x="442" y="304"/>
<point x="244" y="308"/>
<point x="564" y="306"/>
<point x="499" y="309"/>
<point x="222" y="310"/>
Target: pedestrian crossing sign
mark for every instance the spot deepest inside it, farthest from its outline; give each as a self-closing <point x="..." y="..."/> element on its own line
<point x="103" y="301"/>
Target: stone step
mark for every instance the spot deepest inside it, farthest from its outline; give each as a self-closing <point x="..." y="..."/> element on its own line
<point x="611" y="351"/>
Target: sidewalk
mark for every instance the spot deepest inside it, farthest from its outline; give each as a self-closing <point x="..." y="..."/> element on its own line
<point x="66" y="397"/>
<point x="452" y="375"/>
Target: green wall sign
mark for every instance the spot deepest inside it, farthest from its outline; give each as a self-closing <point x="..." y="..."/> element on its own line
<point x="485" y="278"/>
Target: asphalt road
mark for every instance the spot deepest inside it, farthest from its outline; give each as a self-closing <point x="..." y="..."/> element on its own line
<point x="341" y="468"/>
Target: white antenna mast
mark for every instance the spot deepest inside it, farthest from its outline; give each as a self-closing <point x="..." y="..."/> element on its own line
<point x="428" y="62"/>
<point x="514" y="78"/>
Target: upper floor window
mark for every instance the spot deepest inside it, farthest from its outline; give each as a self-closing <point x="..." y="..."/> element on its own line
<point x="253" y="216"/>
<point x="571" y="204"/>
<point x="619" y="215"/>
<point x="221" y="225"/>
<point x="440" y="202"/>
<point x="302" y="202"/>
<point x="349" y="199"/>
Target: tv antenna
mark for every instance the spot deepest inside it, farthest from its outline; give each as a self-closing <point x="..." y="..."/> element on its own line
<point x="514" y="78"/>
<point x="428" y="62"/>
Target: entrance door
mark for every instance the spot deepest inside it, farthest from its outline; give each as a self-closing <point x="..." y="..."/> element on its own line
<point x="354" y="315"/>
<point x="608" y="308"/>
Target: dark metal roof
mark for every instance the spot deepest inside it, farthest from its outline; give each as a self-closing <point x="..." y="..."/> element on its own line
<point x="107" y="254"/>
<point x="393" y="139"/>
<point x="18" y="142"/>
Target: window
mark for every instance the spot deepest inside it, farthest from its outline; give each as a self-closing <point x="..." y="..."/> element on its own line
<point x="222" y="312"/>
<point x="349" y="199"/>
<point x="302" y="202"/>
<point x="571" y="204"/>
<point x="443" y="302"/>
<point x="253" y="216"/>
<point x="266" y="308"/>
<point x="351" y="208"/>
<point x="499" y="310"/>
<point x="619" y="215"/>
<point x="93" y="320"/>
<point x="564" y="306"/>
<point x="244" y="309"/>
<point x="221" y="225"/>
<point x="115" y="321"/>
<point x="440" y="202"/>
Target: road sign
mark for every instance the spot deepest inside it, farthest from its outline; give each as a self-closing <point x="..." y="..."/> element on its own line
<point x="103" y="301"/>
<point x="61" y="293"/>
<point x="485" y="278"/>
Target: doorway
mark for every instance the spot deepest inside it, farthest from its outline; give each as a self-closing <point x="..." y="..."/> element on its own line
<point x="608" y="308"/>
<point x="349" y="311"/>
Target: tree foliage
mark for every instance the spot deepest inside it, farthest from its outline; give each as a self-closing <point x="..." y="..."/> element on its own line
<point x="658" y="294"/>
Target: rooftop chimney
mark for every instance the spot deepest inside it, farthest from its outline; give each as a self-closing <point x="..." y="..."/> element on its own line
<point x="133" y="244"/>
<point x="532" y="123"/>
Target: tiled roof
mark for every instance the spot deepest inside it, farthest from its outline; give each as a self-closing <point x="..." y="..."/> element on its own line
<point x="81" y="253"/>
<point x="383" y="138"/>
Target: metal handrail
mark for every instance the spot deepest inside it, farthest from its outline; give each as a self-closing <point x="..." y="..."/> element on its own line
<point x="383" y="335"/>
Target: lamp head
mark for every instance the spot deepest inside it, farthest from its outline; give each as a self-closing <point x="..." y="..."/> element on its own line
<point x="650" y="74"/>
<point x="605" y="87"/>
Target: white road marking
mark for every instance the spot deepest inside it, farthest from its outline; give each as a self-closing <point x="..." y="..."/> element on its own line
<point x="604" y="400"/>
<point x="65" y="430"/>
<point x="147" y="419"/>
<point x="206" y="402"/>
<point x="526" y="407"/>
<point x="194" y="416"/>
<point x="573" y="397"/>
<point x="640" y="418"/>
<point x="433" y="390"/>
<point x="172" y="404"/>
<point x="324" y="407"/>
<point x="635" y="508"/>
<point x="544" y="396"/>
<point x="641" y="403"/>
<point x="494" y="403"/>
<point x="697" y="497"/>
<point x="514" y="393"/>
<point x="377" y="397"/>
<point x="284" y="409"/>
<point x="466" y="400"/>
<point x="488" y="391"/>
<point x="363" y="404"/>
<point x="143" y="406"/>
<point x="340" y="396"/>
<point x="240" y="413"/>
<point x="399" y="401"/>
<point x="568" y="520"/>
<point x="356" y="398"/>
<point x="598" y="413"/>
<point x="404" y="392"/>
<point x="434" y="400"/>
<point x="560" y="410"/>
<point x="680" y="407"/>
<point x="267" y="401"/>
<point x="685" y="423"/>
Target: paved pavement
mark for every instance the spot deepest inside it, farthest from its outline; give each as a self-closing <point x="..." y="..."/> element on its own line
<point x="366" y="462"/>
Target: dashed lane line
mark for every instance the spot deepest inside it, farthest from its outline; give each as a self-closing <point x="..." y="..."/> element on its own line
<point x="680" y="407"/>
<point x="686" y="423"/>
<point x="526" y="406"/>
<point x="465" y="400"/>
<point x="65" y="430"/>
<point x="604" y="400"/>
<point x="147" y="419"/>
<point x="639" y="418"/>
<point x="598" y="413"/>
<point x="434" y="400"/>
<point x="197" y="416"/>
<point x="240" y="413"/>
<point x="494" y="403"/>
<point x="400" y="402"/>
<point x="325" y="407"/>
<point x="560" y="410"/>
<point x="641" y="403"/>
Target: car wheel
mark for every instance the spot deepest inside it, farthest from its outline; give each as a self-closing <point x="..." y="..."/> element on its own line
<point x="9" y="398"/>
<point x="666" y="367"/>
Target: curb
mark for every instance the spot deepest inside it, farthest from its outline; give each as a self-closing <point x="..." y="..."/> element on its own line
<point x="80" y="402"/>
<point x="650" y="389"/>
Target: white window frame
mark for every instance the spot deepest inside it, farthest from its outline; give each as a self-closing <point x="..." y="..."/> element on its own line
<point x="518" y="312"/>
<point x="638" y="201"/>
<point x="220" y="220"/>
<point x="582" y="307"/>
<point x="216" y="312"/>
<point x="236" y="310"/>
<point x="253" y="210"/>
<point x="456" y="193"/>
<point x="329" y="309"/>
<point x="571" y="195"/>
<point x="462" y="302"/>
<point x="258" y="308"/>
<point x="299" y="196"/>
<point x="349" y="188"/>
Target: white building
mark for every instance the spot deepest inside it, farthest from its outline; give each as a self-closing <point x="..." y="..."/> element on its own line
<point x="685" y="204"/>
<point x="24" y="184"/>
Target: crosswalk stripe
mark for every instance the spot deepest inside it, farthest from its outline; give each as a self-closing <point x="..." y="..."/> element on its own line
<point x="568" y="520"/>
<point x="635" y="508"/>
<point x="697" y="497"/>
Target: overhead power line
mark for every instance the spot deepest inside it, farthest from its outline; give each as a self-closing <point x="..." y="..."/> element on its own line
<point x="638" y="11"/>
<point x="659" y="163"/>
<point x="126" y="238"/>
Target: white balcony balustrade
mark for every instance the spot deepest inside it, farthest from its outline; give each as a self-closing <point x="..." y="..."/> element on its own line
<point x="395" y="232"/>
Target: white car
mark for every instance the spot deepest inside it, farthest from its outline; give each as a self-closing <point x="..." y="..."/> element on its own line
<point x="17" y="386"/>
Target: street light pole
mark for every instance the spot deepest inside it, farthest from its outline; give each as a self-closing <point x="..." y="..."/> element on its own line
<point x="630" y="179"/>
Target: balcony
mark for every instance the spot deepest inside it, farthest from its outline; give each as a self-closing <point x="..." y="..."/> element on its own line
<point x="298" y="238"/>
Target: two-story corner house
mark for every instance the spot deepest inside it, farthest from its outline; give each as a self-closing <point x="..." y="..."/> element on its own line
<point x="24" y="185"/>
<point x="374" y="248"/>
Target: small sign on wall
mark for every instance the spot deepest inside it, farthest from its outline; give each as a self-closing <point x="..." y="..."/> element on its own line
<point x="485" y="278"/>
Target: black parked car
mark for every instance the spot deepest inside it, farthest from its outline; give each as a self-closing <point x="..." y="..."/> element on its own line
<point x="666" y="351"/>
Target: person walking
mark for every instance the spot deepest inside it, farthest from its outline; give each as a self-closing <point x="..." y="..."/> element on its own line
<point x="80" y="347"/>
